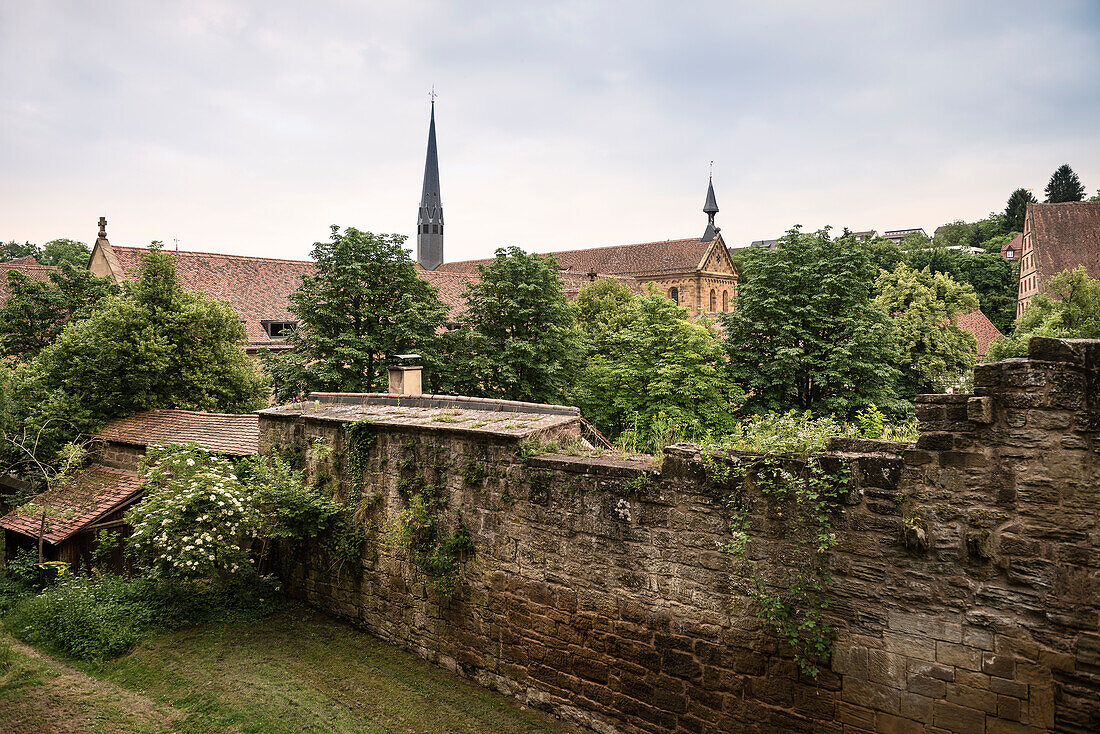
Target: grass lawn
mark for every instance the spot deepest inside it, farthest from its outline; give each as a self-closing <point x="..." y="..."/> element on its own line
<point x="296" y="671"/>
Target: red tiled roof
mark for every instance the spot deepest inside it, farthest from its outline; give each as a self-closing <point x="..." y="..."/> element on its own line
<point x="981" y="327"/>
<point x="1016" y="244"/>
<point x="28" y="266"/>
<point x="1065" y="236"/>
<point x="223" y="433"/>
<point x="257" y="288"/>
<point x="88" y="496"/>
<point x="644" y="258"/>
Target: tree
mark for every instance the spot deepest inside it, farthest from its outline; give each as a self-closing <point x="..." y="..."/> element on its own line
<point x="806" y="334"/>
<point x="1071" y="310"/>
<point x="153" y="346"/>
<point x="915" y="241"/>
<point x="13" y="250"/>
<point x="1064" y="186"/>
<point x="955" y="234"/>
<point x="60" y="251"/>
<point x="520" y="339"/>
<point x="924" y="307"/>
<point x="363" y="302"/>
<point x="1016" y="209"/>
<point x="993" y="279"/>
<point x="36" y="311"/>
<point x="650" y="372"/>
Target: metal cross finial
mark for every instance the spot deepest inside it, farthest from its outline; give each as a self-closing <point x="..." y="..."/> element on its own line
<point x="103" y="227"/>
<point x="711" y="174"/>
<point x="433" y="94"/>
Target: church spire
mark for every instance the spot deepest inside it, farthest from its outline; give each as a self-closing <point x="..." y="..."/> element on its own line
<point x="429" y="220"/>
<point x="710" y="208"/>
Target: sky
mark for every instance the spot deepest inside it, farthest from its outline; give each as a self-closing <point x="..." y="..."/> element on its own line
<point x="251" y="127"/>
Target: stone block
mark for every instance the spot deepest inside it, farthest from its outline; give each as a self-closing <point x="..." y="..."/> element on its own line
<point x="960" y="656"/>
<point x="980" y="410"/>
<point x="889" y="724"/>
<point x="974" y="698"/>
<point x="958" y="719"/>
<point x="1006" y="687"/>
<point x="918" y="625"/>
<point x="886" y="668"/>
<point x="936" y="441"/>
<point x="871" y="695"/>
<point x="1001" y="666"/>
<point x="925" y="686"/>
<point x="916" y="707"/>
<point x="860" y="716"/>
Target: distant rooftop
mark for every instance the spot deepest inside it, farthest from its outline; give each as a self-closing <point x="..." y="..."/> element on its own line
<point x="223" y="433"/>
<point x="438" y="412"/>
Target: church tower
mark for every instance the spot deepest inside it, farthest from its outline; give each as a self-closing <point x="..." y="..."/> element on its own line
<point x="429" y="220"/>
<point x="710" y="208"/>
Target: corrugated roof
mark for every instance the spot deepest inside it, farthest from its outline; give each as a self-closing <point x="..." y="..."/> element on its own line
<point x="224" y="433"/>
<point x="88" y="496"/>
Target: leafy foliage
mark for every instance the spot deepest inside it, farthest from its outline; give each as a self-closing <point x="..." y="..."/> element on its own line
<point x="520" y="340"/>
<point x="153" y="346"/>
<point x="197" y="519"/>
<point x="1064" y="185"/>
<point x="363" y="301"/>
<point x="924" y="308"/>
<point x="37" y="311"/>
<point x="56" y="252"/>
<point x="993" y="279"/>
<point x="650" y="369"/>
<point x="1070" y="311"/>
<point x="13" y="250"/>
<point x="806" y="334"/>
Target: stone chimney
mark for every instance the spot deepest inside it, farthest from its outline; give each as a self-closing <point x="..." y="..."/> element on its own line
<point x="405" y="375"/>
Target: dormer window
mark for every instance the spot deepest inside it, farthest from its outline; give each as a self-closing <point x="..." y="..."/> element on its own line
<point x="279" y="329"/>
<point x="1010" y="254"/>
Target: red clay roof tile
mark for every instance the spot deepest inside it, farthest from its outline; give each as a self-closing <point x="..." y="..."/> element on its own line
<point x="223" y="433"/>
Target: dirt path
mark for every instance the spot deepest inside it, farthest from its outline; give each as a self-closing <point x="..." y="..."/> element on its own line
<point x="42" y="695"/>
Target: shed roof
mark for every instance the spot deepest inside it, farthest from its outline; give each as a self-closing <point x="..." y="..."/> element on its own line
<point x="88" y="496"/>
<point x="224" y="433"/>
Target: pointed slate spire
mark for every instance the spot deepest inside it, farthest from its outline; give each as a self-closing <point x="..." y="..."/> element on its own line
<point x="710" y="208"/>
<point x="429" y="220"/>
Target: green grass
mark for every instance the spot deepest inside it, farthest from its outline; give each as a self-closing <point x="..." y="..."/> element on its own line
<point x="295" y="671"/>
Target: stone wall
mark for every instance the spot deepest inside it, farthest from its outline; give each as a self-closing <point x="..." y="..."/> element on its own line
<point x="965" y="575"/>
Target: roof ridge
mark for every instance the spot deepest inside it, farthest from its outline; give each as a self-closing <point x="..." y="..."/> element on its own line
<point x="218" y="254"/>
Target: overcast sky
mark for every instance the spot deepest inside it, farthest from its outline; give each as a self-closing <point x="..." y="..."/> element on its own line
<point x="250" y="127"/>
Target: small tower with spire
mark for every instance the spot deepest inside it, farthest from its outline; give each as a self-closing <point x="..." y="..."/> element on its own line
<point x="429" y="220"/>
<point x="710" y="208"/>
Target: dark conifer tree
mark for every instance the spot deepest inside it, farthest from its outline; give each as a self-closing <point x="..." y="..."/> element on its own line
<point x="1016" y="209"/>
<point x="1064" y="186"/>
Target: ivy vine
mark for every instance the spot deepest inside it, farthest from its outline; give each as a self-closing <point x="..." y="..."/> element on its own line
<point x="802" y="496"/>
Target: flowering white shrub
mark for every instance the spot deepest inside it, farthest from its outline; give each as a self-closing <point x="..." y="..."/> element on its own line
<point x="197" y="519"/>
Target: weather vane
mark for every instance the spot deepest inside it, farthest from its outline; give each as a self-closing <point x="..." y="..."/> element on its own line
<point x="711" y="174"/>
<point x="433" y="95"/>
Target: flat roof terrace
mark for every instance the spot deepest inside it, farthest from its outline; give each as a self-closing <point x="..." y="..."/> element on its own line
<point x="432" y="412"/>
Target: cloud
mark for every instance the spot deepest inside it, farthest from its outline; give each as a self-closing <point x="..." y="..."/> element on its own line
<point x="250" y="127"/>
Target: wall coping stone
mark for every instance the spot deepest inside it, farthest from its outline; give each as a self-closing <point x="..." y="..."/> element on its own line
<point x="595" y="465"/>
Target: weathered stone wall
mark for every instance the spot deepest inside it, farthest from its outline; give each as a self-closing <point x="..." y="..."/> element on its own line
<point x="965" y="576"/>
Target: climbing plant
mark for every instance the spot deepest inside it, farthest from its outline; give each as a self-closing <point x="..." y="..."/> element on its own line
<point x="801" y="499"/>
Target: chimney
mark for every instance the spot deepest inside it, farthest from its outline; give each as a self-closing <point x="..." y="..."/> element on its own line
<point x="405" y="375"/>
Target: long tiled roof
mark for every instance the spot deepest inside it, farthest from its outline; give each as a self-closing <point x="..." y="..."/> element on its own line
<point x="28" y="266"/>
<point x="1065" y="236"/>
<point x="223" y="433"/>
<point x="259" y="288"/>
<point x="981" y="327"/>
<point x="644" y="258"/>
<point x="88" y="496"/>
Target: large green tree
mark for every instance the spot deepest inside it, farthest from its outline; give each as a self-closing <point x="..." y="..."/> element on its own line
<point x="1016" y="209"/>
<point x="1064" y="185"/>
<point x="991" y="276"/>
<point x="650" y="373"/>
<point x="36" y="311"/>
<point x="153" y="346"/>
<point x="13" y="250"/>
<point x="806" y="333"/>
<point x="924" y="307"/>
<point x="363" y="303"/>
<point x="1071" y="310"/>
<point x="519" y="340"/>
<point x="63" y="250"/>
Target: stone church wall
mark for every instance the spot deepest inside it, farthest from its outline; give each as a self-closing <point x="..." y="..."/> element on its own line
<point x="966" y="574"/>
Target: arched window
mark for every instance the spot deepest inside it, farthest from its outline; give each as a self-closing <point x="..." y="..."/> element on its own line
<point x="674" y="294"/>
<point x="713" y="301"/>
<point x="725" y="301"/>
